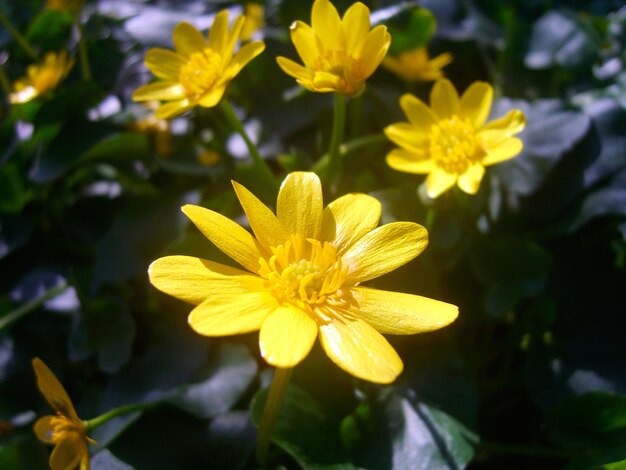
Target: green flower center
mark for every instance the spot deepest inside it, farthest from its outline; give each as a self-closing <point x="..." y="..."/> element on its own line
<point x="304" y="272"/>
<point x="200" y="73"/>
<point x="453" y="145"/>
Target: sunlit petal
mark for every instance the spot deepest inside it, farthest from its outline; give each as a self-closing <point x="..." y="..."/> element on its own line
<point x="187" y="39"/>
<point x="68" y="452"/>
<point x="174" y="108"/>
<point x="438" y="182"/>
<point x="373" y="50"/>
<point x="360" y="350"/>
<point x="476" y="103"/>
<point x="444" y="99"/>
<point x="410" y="162"/>
<point x="286" y="337"/>
<point x="407" y="136"/>
<point x="418" y="112"/>
<point x="164" y="64"/>
<point x="159" y="91"/>
<point x="470" y="180"/>
<point x="227" y="235"/>
<point x="384" y="249"/>
<point x="299" y="206"/>
<point x="327" y="24"/>
<point x="213" y="97"/>
<point x="356" y="25"/>
<point x="305" y="40"/>
<point x="504" y="151"/>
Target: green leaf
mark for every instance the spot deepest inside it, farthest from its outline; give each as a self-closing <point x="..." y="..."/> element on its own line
<point x="231" y="375"/>
<point x="50" y="30"/>
<point x="13" y="193"/>
<point x="410" y="28"/>
<point x="304" y="430"/>
<point x="69" y="101"/>
<point x="513" y="269"/>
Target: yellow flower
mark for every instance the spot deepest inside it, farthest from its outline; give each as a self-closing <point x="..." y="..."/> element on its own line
<point x="416" y="65"/>
<point x="41" y="78"/>
<point x="451" y="141"/>
<point x="65" y="429"/>
<point x="338" y="54"/>
<point x="158" y="129"/>
<point x="255" y="20"/>
<point x="304" y="267"/>
<point x="198" y="72"/>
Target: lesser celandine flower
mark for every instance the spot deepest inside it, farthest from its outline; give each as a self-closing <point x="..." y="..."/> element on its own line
<point x="303" y="272"/>
<point x="451" y="141"/>
<point x="416" y="65"/>
<point x="199" y="69"/>
<point x="255" y="20"/>
<point x="65" y="429"/>
<point x="339" y="54"/>
<point x="41" y="78"/>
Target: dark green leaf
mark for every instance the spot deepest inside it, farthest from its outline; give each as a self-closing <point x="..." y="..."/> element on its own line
<point x="231" y="375"/>
<point x="13" y="193"/>
<point x="50" y="30"/>
<point x="303" y="430"/>
<point x="410" y="28"/>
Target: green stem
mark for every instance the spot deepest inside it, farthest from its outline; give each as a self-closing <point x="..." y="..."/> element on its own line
<point x="83" y="55"/>
<point x="270" y="412"/>
<point x="430" y="219"/>
<point x="529" y="450"/>
<point x="339" y="125"/>
<point x="321" y="166"/>
<point x="260" y="164"/>
<point x="21" y="40"/>
<point x="23" y="310"/>
<point x="5" y="84"/>
<point x="114" y="413"/>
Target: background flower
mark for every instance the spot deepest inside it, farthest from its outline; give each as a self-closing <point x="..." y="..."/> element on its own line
<point x="199" y="70"/>
<point x="339" y="54"/>
<point x="416" y="65"/>
<point x="42" y="78"/>
<point x="451" y="141"/>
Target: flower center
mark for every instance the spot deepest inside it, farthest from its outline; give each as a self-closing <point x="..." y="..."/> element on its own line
<point x="61" y="426"/>
<point x="340" y="64"/>
<point x="453" y="145"/>
<point x="304" y="272"/>
<point x="200" y="73"/>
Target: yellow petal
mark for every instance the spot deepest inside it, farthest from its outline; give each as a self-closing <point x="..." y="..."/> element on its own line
<point x="213" y="97"/>
<point x="187" y="39"/>
<point x="383" y="250"/>
<point x="265" y="225"/>
<point x="174" y="108"/>
<point x="496" y="132"/>
<point x="504" y="151"/>
<point x="356" y="26"/>
<point x="193" y="279"/>
<point x="360" y="350"/>
<point x="476" y="103"/>
<point x="347" y="219"/>
<point x="227" y="235"/>
<point x="293" y="69"/>
<point x="218" y="33"/>
<point x="325" y="82"/>
<point x="43" y="429"/>
<point x="410" y="162"/>
<point x="232" y="38"/>
<point x="299" y="206"/>
<point x="246" y="54"/>
<point x="444" y="99"/>
<point x="401" y="314"/>
<point x="327" y="24"/>
<point x="305" y="41"/>
<point x="470" y="180"/>
<point x="408" y="136"/>
<point x="228" y="313"/>
<point x="53" y="391"/>
<point x="374" y="49"/>
<point x="438" y="182"/>
<point x="418" y="113"/>
<point x="286" y="337"/>
<point x="165" y="64"/>
<point x="159" y="91"/>
<point x="68" y="452"/>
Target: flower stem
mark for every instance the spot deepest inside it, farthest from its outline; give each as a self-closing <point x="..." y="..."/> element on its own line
<point x="5" y="84"/>
<point x="114" y="413"/>
<point x="321" y="166"/>
<point x="85" y="68"/>
<point x="334" y="166"/>
<point x="263" y="170"/>
<point x="270" y="412"/>
<point x="21" y="40"/>
<point x="23" y="310"/>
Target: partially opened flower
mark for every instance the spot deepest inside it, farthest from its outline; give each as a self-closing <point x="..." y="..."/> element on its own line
<point x="199" y="70"/>
<point x="65" y="429"/>
<point x="416" y="65"/>
<point x="303" y="272"/>
<point x="452" y="141"/>
<point x="41" y="78"/>
<point x="339" y="54"/>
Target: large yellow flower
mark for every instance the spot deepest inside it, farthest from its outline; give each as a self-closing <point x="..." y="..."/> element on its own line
<point x="338" y="54"/>
<point x="41" y="78"/>
<point x="65" y="429"/>
<point x="416" y="65"/>
<point x="304" y="267"/>
<point x="451" y="141"/>
<point x="198" y="72"/>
